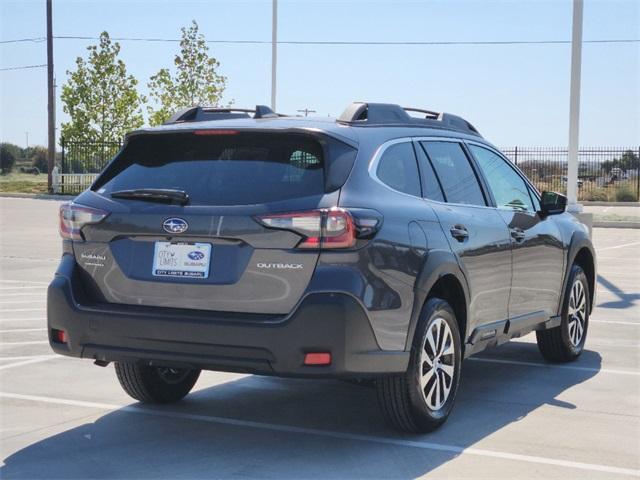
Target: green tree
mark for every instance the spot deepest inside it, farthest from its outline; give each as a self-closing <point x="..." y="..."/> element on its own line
<point x="195" y="81"/>
<point x="100" y="97"/>
<point x="8" y="154"/>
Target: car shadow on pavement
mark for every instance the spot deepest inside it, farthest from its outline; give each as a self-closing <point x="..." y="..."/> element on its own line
<point x="188" y="439"/>
<point x="624" y="300"/>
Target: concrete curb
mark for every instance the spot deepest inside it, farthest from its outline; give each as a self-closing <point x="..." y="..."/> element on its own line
<point x="610" y="204"/>
<point x="605" y="224"/>
<point x="37" y="196"/>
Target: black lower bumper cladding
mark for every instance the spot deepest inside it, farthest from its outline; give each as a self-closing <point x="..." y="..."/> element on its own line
<point x="322" y="322"/>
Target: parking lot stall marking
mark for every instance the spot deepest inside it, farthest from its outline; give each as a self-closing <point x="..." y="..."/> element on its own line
<point x="39" y="359"/>
<point x="3" y="310"/>
<point x="33" y="342"/>
<point x="23" y="301"/>
<point x="23" y="320"/>
<point x="617" y="246"/>
<point x="27" y="357"/>
<point x="328" y="433"/>
<point x="18" y="330"/>
<point x="22" y="294"/>
<point x="24" y="287"/>
<point x="24" y="282"/>
<point x="553" y="366"/>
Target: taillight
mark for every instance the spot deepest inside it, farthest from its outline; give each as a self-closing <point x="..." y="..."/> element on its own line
<point x="330" y="228"/>
<point x="73" y="217"/>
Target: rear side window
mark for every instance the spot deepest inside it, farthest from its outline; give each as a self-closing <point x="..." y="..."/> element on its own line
<point x="398" y="169"/>
<point x="238" y="169"/>
<point x="455" y="173"/>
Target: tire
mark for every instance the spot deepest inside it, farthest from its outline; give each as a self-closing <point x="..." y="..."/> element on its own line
<point x="149" y="384"/>
<point x="565" y="342"/>
<point x="406" y="404"/>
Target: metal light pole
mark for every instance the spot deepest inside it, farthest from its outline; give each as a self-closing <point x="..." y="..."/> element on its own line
<point x="51" y="151"/>
<point x="274" y="51"/>
<point x="574" y="108"/>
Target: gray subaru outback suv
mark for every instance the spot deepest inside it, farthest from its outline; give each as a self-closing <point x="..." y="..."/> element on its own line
<point x="387" y="244"/>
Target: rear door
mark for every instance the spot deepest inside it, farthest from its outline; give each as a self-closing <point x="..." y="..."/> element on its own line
<point x="476" y="232"/>
<point x="215" y="252"/>
<point x="538" y="253"/>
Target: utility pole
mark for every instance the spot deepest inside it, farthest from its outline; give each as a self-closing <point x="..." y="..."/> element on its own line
<point x="574" y="108"/>
<point x="274" y="51"/>
<point x="306" y="111"/>
<point x="27" y="135"/>
<point x="51" y="151"/>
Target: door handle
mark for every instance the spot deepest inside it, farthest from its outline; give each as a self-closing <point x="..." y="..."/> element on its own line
<point x="518" y="234"/>
<point x="459" y="232"/>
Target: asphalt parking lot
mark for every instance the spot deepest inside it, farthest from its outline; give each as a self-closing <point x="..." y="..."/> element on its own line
<point x="516" y="416"/>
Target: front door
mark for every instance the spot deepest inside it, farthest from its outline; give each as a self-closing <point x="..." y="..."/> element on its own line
<point x="538" y="255"/>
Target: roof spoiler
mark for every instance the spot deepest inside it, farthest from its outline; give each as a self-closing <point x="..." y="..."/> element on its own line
<point x="200" y="114"/>
<point x="378" y="114"/>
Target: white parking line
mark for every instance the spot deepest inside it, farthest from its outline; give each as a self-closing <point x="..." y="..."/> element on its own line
<point x="27" y="362"/>
<point x="441" y="447"/>
<point x="615" y="322"/>
<point x="20" y="319"/>
<point x="11" y="310"/>
<point x="22" y="294"/>
<point x="24" y="301"/>
<point x="15" y="344"/>
<point x="552" y="366"/>
<point x="25" y="287"/>
<point x="617" y="246"/>
<point x="25" y="282"/>
<point x="12" y="330"/>
<point x="26" y="357"/>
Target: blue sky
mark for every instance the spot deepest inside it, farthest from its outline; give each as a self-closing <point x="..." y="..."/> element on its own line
<point x="514" y="94"/>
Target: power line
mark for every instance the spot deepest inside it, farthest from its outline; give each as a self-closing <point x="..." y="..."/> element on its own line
<point x="334" y="42"/>
<point x="22" y="67"/>
<point x="20" y="40"/>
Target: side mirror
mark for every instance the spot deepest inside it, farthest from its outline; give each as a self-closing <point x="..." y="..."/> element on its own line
<point x="552" y="203"/>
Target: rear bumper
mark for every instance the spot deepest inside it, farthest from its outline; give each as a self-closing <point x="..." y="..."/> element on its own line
<point x="322" y="322"/>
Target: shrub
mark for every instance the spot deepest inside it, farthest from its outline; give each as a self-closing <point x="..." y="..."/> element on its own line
<point x="626" y="194"/>
<point x="597" y="195"/>
<point x="38" y="157"/>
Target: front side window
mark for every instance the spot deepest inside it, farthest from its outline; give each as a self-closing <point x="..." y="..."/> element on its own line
<point x="508" y="188"/>
<point x="398" y="169"/>
<point x="455" y="173"/>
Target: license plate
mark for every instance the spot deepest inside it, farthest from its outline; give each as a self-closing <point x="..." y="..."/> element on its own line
<point x="187" y="260"/>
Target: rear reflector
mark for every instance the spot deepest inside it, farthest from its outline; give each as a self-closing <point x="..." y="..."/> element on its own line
<point x="60" y="336"/>
<point x="317" y="358"/>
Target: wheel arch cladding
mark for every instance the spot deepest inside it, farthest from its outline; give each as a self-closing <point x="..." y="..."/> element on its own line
<point x="449" y="288"/>
<point x="584" y="258"/>
<point x="442" y="279"/>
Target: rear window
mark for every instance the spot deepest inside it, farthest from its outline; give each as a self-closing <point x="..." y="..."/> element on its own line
<point x="237" y="169"/>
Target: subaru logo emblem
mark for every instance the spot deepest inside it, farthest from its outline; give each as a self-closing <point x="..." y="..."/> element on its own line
<point x="195" y="255"/>
<point x="175" y="225"/>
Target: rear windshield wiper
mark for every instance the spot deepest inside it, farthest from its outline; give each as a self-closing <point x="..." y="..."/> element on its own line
<point x="161" y="195"/>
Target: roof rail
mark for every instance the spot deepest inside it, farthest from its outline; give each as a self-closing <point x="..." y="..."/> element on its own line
<point x="378" y="114"/>
<point x="201" y="114"/>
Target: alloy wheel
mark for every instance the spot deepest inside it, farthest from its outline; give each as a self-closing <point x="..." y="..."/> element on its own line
<point x="437" y="364"/>
<point x="577" y="313"/>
